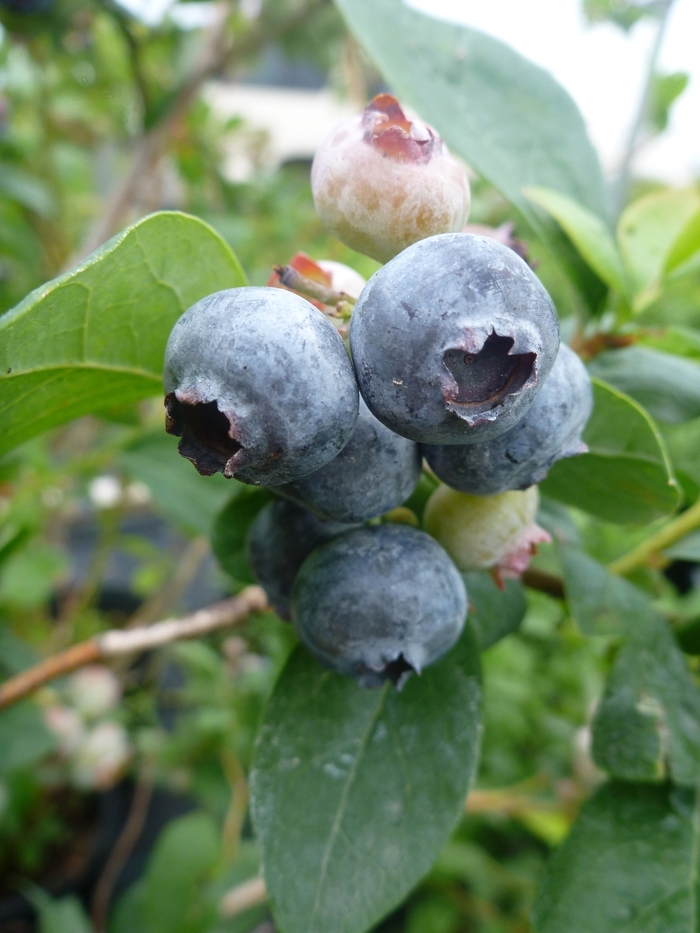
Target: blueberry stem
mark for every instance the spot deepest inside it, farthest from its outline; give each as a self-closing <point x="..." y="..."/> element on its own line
<point x="675" y="530"/>
<point x="291" y="278"/>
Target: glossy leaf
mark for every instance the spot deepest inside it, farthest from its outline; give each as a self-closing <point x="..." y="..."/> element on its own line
<point x="231" y="529"/>
<point x="95" y="337"/>
<point x="590" y="235"/>
<point x="379" y="815"/>
<point x="647" y="231"/>
<point x="666" y="385"/>
<point x="647" y="725"/>
<point x="630" y="865"/>
<point x="626" y="476"/>
<point x="494" y="612"/>
<point x="511" y="121"/>
<point x="190" y="500"/>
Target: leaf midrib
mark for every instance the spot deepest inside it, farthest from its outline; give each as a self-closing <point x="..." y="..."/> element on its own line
<point x="86" y="365"/>
<point x="342" y="804"/>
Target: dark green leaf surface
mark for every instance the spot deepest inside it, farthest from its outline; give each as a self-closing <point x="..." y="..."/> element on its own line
<point x="648" y="722"/>
<point x="190" y="500"/>
<point x="511" y="121"/>
<point x="666" y="385"/>
<point x="601" y="603"/>
<point x="630" y="865"/>
<point x="95" y="337"/>
<point x="355" y="791"/>
<point x="626" y="475"/>
<point x="493" y="612"/>
<point x="228" y="540"/>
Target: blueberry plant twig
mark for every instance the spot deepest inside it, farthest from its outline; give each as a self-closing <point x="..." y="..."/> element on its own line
<point x="124" y="846"/>
<point x="117" y="642"/>
<point x="218" y="52"/>
<point x="237" y="900"/>
<point x="676" y="529"/>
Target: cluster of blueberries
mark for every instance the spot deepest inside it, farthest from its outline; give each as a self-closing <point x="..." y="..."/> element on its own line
<point x="454" y="360"/>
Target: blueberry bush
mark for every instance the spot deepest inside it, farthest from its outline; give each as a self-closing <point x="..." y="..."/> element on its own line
<point x="458" y="449"/>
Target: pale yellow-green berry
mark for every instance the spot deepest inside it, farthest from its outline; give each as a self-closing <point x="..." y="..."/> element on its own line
<point x="479" y="531"/>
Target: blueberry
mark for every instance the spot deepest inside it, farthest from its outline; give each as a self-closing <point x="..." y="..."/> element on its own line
<point x="453" y="339"/>
<point x="379" y="602"/>
<point x="279" y="541"/>
<point x="27" y="7"/>
<point x="521" y="457"/>
<point x="376" y="471"/>
<point x="259" y="386"/>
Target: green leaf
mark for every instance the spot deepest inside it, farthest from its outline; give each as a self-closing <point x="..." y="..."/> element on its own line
<point x="601" y="603"/>
<point x="686" y="245"/>
<point x="228" y="540"/>
<point x="626" y="475"/>
<point x="511" y="121"/>
<point x="647" y="231"/>
<point x="24" y="739"/>
<point x="590" y="235"/>
<point x="62" y="915"/>
<point x="380" y="814"/>
<point x="493" y="612"/>
<point x="183" y="859"/>
<point x="664" y="91"/>
<point x="666" y="385"/>
<point x="647" y="726"/>
<point x="630" y="865"/>
<point x="678" y="341"/>
<point x="648" y="722"/>
<point x="96" y="336"/>
<point x="190" y="500"/>
<point x="687" y="548"/>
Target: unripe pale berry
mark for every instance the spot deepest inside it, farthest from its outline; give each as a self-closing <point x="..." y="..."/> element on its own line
<point x="94" y="691"/>
<point x="102" y="757"/>
<point x="381" y="182"/>
<point x="485" y="532"/>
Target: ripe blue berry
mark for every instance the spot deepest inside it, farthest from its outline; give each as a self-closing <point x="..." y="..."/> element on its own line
<point x="453" y="339"/>
<point x="259" y="386"/>
<point x="279" y="541"/>
<point x="521" y="457"/>
<point x="379" y="602"/>
<point x="376" y="471"/>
